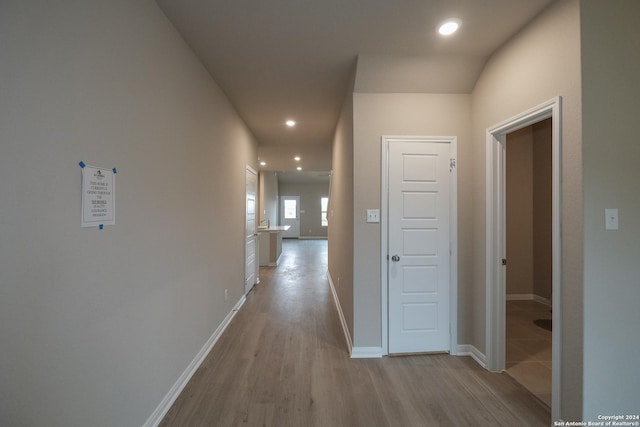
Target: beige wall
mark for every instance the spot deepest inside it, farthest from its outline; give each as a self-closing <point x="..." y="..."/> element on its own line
<point x="542" y="209"/>
<point x="310" y="212"/>
<point x="519" y="211"/>
<point x="611" y="95"/>
<point x="269" y="198"/>
<point x="97" y="326"/>
<point x="402" y="114"/>
<point x="538" y="64"/>
<point x="340" y="216"/>
<point x="105" y="321"/>
<point x="528" y="211"/>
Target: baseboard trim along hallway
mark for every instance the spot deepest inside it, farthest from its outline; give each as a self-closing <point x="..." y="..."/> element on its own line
<point x="343" y="321"/>
<point x="162" y="409"/>
<point x="473" y="352"/>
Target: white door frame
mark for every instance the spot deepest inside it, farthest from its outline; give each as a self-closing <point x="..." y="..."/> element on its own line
<point x="247" y="288"/>
<point x="384" y="240"/>
<point x="496" y="239"/>
<point x="290" y="233"/>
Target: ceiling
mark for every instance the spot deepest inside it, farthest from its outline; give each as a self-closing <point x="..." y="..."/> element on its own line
<point x="293" y="59"/>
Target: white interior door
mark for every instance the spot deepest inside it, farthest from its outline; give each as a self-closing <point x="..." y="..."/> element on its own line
<point x="418" y="268"/>
<point x="290" y="215"/>
<point x="251" y="262"/>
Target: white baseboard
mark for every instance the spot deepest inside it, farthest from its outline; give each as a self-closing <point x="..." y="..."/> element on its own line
<point x="518" y="297"/>
<point x="162" y="409"/>
<point x="343" y="321"/>
<point x="366" y="352"/>
<point x="356" y="352"/>
<point x="528" y="297"/>
<point x="470" y="350"/>
<point x="541" y="300"/>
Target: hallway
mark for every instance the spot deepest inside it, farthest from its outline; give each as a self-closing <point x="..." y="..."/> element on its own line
<point x="283" y="361"/>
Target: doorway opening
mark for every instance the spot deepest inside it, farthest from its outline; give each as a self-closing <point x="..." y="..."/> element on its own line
<point x="496" y="240"/>
<point x="528" y="287"/>
<point x="290" y="215"/>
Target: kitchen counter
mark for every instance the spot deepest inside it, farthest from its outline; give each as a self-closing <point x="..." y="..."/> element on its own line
<point x="270" y="248"/>
<point x="273" y="228"/>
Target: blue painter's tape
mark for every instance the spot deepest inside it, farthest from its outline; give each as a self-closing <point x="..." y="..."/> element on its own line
<point x="82" y="165"/>
<point x="101" y="226"/>
<point x="114" y="170"/>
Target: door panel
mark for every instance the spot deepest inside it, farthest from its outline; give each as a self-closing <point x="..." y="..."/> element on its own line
<point x="290" y="215"/>
<point x="251" y="262"/>
<point x="418" y="241"/>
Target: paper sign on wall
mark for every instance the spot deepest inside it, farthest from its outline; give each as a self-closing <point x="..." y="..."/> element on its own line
<point x="98" y="196"/>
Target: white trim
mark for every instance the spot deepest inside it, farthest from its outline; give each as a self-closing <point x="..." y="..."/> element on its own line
<point x="453" y="247"/>
<point x="495" y="239"/>
<point x="256" y="242"/>
<point x="384" y="243"/>
<point x="355" y="352"/>
<point x="473" y="352"/>
<point x="156" y="417"/>
<point x="289" y="234"/>
<point x="542" y="300"/>
<point x="528" y="297"/>
<point x="366" y="352"/>
<point x="343" y="321"/>
<point x="519" y="297"/>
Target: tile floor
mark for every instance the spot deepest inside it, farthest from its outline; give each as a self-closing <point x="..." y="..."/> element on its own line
<point x="528" y="358"/>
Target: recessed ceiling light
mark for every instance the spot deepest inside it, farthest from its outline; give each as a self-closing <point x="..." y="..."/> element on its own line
<point x="449" y="26"/>
<point x="263" y="163"/>
<point x="296" y="158"/>
<point x="299" y="168"/>
<point x="290" y="123"/>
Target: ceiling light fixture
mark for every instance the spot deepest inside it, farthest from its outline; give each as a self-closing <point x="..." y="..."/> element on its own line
<point x="290" y="123"/>
<point x="299" y="168"/>
<point x="449" y="26"/>
<point x="297" y="158"/>
<point x="263" y="163"/>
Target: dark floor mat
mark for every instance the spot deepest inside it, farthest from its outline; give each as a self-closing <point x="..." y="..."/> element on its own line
<point x="543" y="323"/>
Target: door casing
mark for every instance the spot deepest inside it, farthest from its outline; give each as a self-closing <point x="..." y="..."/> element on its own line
<point x="384" y="232"/>
<point x="293" y="232"/>
<point x="496" y="239"/>
<point x="251" y="186"/>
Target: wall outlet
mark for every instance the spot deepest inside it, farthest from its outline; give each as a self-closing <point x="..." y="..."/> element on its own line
<point x="611" y="219"/>
<point x="373" y="215"/>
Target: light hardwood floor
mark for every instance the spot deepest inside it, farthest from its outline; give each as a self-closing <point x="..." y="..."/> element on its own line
<point x="283" y="361"/>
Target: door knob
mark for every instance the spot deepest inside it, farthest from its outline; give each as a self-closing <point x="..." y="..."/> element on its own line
<point x="395" y="258"/>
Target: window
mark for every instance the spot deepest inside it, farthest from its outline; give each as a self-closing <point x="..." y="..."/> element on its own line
<point x="290" y="211"/>
<point x="324" y="202"/>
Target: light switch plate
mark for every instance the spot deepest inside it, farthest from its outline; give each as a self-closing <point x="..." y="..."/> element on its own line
<point x="373" y="215"/>
<point x="611" y="219"/>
